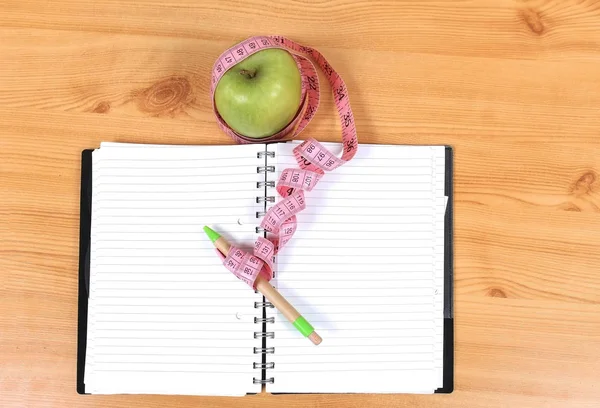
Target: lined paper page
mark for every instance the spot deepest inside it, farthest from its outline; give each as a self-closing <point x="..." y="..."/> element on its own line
<point x="364" y="269"/>
<point x="165" y="316"/>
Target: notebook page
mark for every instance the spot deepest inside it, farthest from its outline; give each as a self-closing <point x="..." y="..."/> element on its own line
<point x="363" y="268"/>
<point x="165" y="317"/>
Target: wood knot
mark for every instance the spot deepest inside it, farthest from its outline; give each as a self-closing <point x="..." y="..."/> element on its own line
<point x="101" y="107"/>
<point x="583" y="185"/>
<point x="496" y="292"/>
<point x="570" y="207"/>
<point x="533" y="20"/>
<point x="166" y="97"/>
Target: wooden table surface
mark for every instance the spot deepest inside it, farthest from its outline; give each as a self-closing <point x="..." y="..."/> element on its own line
<point x="513" y="85"/>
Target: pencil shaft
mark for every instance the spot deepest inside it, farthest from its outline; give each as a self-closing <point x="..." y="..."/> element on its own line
<point x="273" y="296"/>
<point x="265" y="288"/>
<point x="222" y="245"/>
<point x="270" y="293"/>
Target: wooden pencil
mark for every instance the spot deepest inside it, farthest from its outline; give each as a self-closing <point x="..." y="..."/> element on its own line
<point x="270" y="293"/>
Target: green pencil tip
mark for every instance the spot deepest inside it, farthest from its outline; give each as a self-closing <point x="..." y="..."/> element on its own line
<point x="212" y="235"/>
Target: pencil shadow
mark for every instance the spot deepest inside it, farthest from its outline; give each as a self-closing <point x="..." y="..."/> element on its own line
<point x="315" y="315"/>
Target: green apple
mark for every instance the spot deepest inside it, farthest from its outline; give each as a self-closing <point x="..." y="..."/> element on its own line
<point x="260" y="96"/>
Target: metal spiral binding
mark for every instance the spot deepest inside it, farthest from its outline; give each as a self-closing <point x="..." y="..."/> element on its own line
<point x="263" y="154"/>
<point x="263" y="365"/>
<point x="263" y="304"/>
<point x="263" y="334"/>
<point x="264" y="350"/>
<point x="265" y="381"/>
<point x="265" y="169"/>
<point x="264" y="319"/>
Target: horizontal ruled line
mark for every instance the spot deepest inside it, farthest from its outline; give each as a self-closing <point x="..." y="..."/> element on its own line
<point x="360" y="263"/>
<point x="294" y="339"/>
<point x="198" y="233"/>
<point x="364" y="304"/>
<point x="244" y="363"/>
<point x="176" y="322"/>
<point x="238" y="322"/>
<point x="361" y="231"/>
<point x="203" y="330"/>
<point x="158" y="264"/>
<point x="378" y="313"/>
<point x="244" y="197"/>
<point x="185" y="305"/>
<point x="250" y="164"/>
<point x="396" y="162"/>
<point x="323" y="345"/>
<point x="189" y="290"/>
<point x="151" y="239"/>
<point x="366" y="222"/>
<point x="354" y="362"/>
<point x="259" y="308"/>
<point x="120" y="183"/>
<point x="229" y="207"/>
<point x="341" y="289"/>
<point x="381" y="207"/>
<point x="154" y="216"/>
<point x="178" y="346"/>
<point x="173" y="338"/>
<point x="168" y="362"/>
<point x="381" y="198"/>
<point x="162" y="280"/>
<point x="332" y="249"/>
<point x="172" y="314"/>
<point x="327" y="181"/>
<point x="369" y="213"/>
<point x="199" y="273"/>
<point x="349" y="369"/>
<point x="387" y="191"/>
<point x="113" y="241"/>
<point x="250" y="370"/>
<point x="356" y="253"/>
<point x="169" y="297"/>
<point x="155" y="256"/>
<point x="133" y="158"/>
<point x="172" y="355"/>
<point x="245" y="348"/>
<point x="357" y="279"/>
<point x="101" y="176"/>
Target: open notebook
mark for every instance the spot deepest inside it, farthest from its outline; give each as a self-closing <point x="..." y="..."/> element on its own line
<point x="370" y="267"/>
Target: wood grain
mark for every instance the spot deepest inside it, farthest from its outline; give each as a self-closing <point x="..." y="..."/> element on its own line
<point x="513" y="85"/>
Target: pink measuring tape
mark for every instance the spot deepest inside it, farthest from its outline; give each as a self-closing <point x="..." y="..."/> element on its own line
<point x="312" y="157"/>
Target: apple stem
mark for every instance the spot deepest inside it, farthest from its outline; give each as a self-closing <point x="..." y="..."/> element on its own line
<point x="248" y="73"/>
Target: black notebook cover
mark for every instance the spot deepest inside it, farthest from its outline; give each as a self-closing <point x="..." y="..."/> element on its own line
<point x="85" y="220"/>
<point x="448" y="278"/>
<point x="84" y="272"/>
